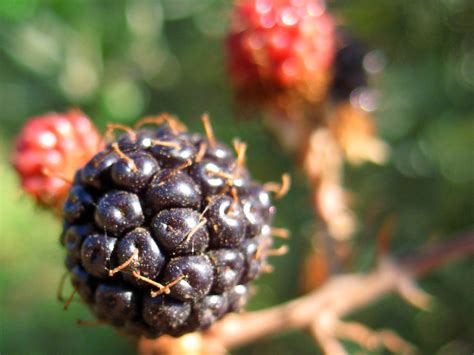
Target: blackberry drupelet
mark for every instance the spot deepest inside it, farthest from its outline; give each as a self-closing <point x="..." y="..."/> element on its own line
<point x="164" y="230"/>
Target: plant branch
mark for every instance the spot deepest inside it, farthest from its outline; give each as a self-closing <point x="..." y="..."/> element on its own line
<point x="340" y="296"/>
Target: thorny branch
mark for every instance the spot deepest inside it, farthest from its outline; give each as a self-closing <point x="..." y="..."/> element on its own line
<point x="321" y="311"/>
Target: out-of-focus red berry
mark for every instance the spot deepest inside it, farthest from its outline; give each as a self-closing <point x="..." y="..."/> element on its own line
<point x="276" y="46"/>
<point x="49" y="150"/>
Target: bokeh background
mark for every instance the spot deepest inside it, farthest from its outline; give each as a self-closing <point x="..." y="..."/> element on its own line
<point x="119" y="60"/>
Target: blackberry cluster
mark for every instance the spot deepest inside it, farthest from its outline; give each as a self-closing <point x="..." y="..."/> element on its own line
<point x="349" y="72"/>
<point x="164" y="230"/>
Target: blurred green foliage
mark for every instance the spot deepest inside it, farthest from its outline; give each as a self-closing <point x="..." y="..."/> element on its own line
<point x="120" y="59"/>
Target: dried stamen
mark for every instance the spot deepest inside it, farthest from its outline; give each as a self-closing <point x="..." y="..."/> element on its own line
<point x="209" y="131"/>
<point x="175" y="125"/>
<point x="235" y="198"/>
<point x="46" y="172"/>
<point x="279" y="251"/>
<point x="124" y="264"/>
<point x="280" y="232"/>
<point x="267" y="269"/>
<point x="240" y="149"/>
<point x="195" y="229"/>
<point x="167" y="287"/>
<point x="165" y="144"/>
<point x="111" y="127"/>
<point x="171" y="172"/>
<point x="137" y="275"/>
<point x="201" y="152"/>
<point x="258" y="252"/>
<point x="123" y="156"/>
<point x="161" y="288"/>
<point x="95" y="163"/>
<point x="69" y="300"/>
<point x="280" y="190"/>
<point x="59" y="292"/>
<point x="210" y="201"/>
<point x="220" y="174"/>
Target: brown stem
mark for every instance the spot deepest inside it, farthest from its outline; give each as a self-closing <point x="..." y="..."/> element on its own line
<point x="454" y="248"/>
<point x="321" y="310"/>
<point x="340" y="296"/>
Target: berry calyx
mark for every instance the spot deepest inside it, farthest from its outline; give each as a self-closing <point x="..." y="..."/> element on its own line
<point x="49" y="150"/>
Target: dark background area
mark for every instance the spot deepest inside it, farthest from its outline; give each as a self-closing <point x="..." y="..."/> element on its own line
<point x="119" y="60"/>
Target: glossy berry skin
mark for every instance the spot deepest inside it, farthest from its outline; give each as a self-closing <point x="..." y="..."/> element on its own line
<point x="210" y="309"/>
<point x="115" y="303"/>
<point x="96" y="173"/>
<point x="237" y="297"/>
<point x="83" y="283"/>
<point x="177" y="190"/>
<point x="198" y="280"/>
<point x="78" y="204"/>
<point x="208" y="174"/>
<point x="228" y="268"/>
<point x="226" y="223"/>
<point x="163" y="312"/>
<point x="136" y="173"/>
<point x="149" y="259"/>
<point x="279" y="47"/>
<point x="96" y="254"/>
<point x="172" y="229"/>
<point x="163" y="231"/>
<point x="74" y="237"/>
<point x="118" y="211"/>
<point x="48" y="151"/>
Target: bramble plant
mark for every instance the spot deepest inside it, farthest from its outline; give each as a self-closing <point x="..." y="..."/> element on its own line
<point x="165" y="230"/>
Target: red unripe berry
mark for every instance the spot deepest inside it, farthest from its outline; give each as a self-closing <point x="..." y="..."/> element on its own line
<point x="49" y="150"/>
<point x="276" y="46"/>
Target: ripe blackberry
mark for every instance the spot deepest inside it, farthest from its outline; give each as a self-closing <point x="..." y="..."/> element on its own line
<point x="349" y="72"/>
<point x="164" y="230"/>
<point x="279" y="49"/>
<point x="49" y="150"/>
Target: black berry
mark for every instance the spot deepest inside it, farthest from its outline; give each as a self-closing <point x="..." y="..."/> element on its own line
<point x="198" y="277"/>
<point x="73" y="238"/>
<point x="172" y="189"/>
<point x="118" y="211"/>
<point x="96" y="254"/>
<point x="174" y="152"/>
<point x="136" y="173"/>
<point x="180" y="231"/>
<point x="228" y="267"/>
<point x="96" y="173"/>
<point x="210" y="309"/>
<point x="226" y="223"/>
<point x="164" y="312"/>
<point x="78" y="204"/>
<point x="163" y="231"/>
<point x="115" y="303"/>
<point x="147" y="258"/>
